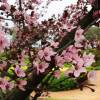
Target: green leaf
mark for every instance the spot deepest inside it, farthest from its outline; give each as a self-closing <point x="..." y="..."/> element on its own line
<point x="26" y="60"/>
<point x="10" y="70"/>
<point x="89" y="68"/>
<point x="97" y="68"/>
<point x="67" y="65"/>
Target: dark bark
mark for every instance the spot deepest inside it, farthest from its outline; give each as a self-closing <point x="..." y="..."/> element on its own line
<point x="31" y="85"/>
<point x="83" y="23"/>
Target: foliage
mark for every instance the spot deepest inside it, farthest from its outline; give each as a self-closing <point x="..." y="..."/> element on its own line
<point x="93" y="33"/>
<point x="63" y="83"/>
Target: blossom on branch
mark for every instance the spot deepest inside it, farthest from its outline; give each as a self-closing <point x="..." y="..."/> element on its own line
<point x="4" y="43"/>
<point x="91" y="75"/>
<point x="41" y="67"/>
<point x="19" y="72"/>
<point x="79" y="71"/>
<point x="21" y="84"/>
<point x="46" y="53"/>
<point x="5" y="85"/>
<point x="79" y="35"/>
<point x="88" y="59"/>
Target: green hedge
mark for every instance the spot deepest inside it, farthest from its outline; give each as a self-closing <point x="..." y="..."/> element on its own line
<point x="63" y="83"/>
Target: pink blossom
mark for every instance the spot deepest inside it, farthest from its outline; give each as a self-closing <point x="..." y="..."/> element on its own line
<point x="59" y="61"/>
<point x="3" y="41"/>
<point x="79" y="71"/>
<point x="88" y="59"/>
<point x="36" y="1"/>
<point x="29" y="19"/>
<point x="54" y="44"/>
<point x="78" y="44"/>
<point x="19" y="72"/>
<point x="68" y="56"/>
<point x="91" y="75"/>
<point x="69" y="28"/>
<point x="46" y="53"/>
<point x="4" y="1"/>
<point x="57" y="74"/>
<point x="78" y="61"/>
<point x="69" y="71"/>
<point x="79" y="35"/>
<point x="5" y="7"/>
<point x="41" y="67"/>
<point x="17" y="13"/>
<point x="73" y="49"/>
<point x="72" y="56"/>
<point x="75" y="56"/>
<point x="91" y="1"/>
<point x="9" y="85"/>
<point x="21" y="84"/>
<point x="5" y="85"/>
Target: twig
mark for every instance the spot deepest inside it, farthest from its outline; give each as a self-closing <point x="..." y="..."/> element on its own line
<point x="71" y="42"/>
<point x="21" y="9"/>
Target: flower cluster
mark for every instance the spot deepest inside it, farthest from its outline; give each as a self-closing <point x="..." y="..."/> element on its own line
<point x="4" y="42"/>
<point x="39" y="49"/>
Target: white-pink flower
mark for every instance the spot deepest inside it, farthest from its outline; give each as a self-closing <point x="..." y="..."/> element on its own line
<point x="78" y="61"/>
<point x="4" y="1"/>
<point x="3" y="41"/>
<point x="19" y="72"/>
<point x="5" y="85"/>
<point x="78" y="44"/>
<point x="46" y="53"/>
<point x="29" y="20"/>
<point x="68" y="27"/>
<point x="9" y="85"/>
<point x="79" y="35"/>
<point x="88" y="59"/>
<point x="57" y="74"/>
<point x="69" y="71"/>
<point x="17" y="13"/>
<point x="68" y="56"/>
<point x="41" y="66"/>
<point x="59" y="61"/>
<point x="21" y="84"/>
<point x="91" y="75"/>
<point x="73" y="49"/>
<point x="54" y="44"/>
<point x="91" y="1"/>
<point x="36" y="1"/>
<point x="79" y="71"/>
